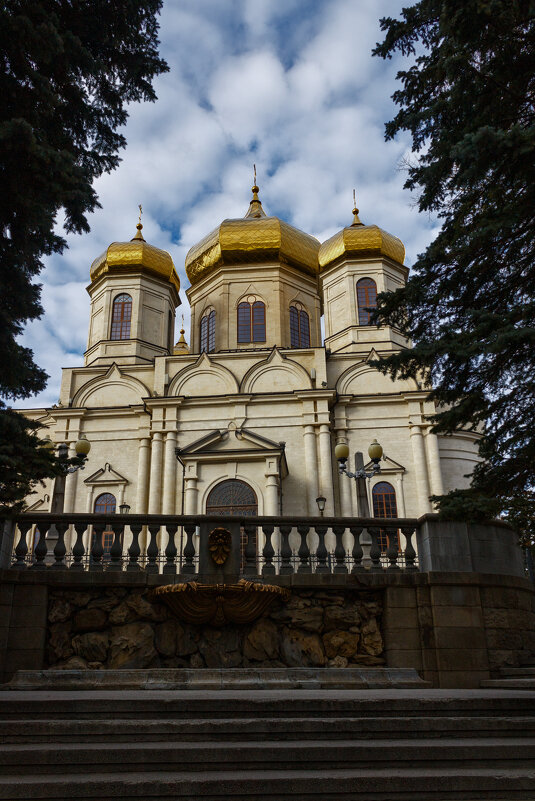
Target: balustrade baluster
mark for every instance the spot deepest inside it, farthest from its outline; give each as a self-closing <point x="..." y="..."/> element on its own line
<point x="410" y="553"/>
<point x="97" y="551"/>
<point x="339" y="551"/>
<point x="134" y="551"/>
<point x="304" y="551"/>
<point x="188" y="566"/>
<point x="286" y="566"/>
<point x="392" y="550"/>
<point x="78" y="549"/>
<point x="321" y="552"/>
<point x="375" y="550"/>
<point x="357" y="553"/>
<point x="250" y="567"/>
<point x="60" y="549"/>
<point x="22" y="546"/>
<point x="152" y="549"/>
<point x="268" y="552"/>
<point x="40" y="550"/>
<point x="170" y="550"/>
<point x="116" y="550"/>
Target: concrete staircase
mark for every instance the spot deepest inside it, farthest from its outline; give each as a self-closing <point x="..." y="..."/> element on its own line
<point x="519" y="678"/>
<point x="327" y="744"/>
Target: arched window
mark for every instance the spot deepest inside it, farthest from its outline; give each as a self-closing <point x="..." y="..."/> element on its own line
<point x="384" y="505"/>
<point x="366" y="299"/>
<point x="105" y="504"/>
<point x="208" y="331"/>
<point x="233" y="497"/>
<point x="251" y="320"/>
<point x="299" y="327"/>
<point x="121" y="317"/>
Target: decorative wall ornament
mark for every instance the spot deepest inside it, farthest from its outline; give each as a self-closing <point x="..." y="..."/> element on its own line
<point x="219" y="544"/>
<point x="218" y="604"/>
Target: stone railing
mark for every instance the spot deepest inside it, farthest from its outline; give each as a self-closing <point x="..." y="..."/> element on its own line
<point x="259" y="546"/>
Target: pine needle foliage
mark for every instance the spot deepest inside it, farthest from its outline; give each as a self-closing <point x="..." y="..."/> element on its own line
<point x="468" y="100"/>
<point x="69" y="69"/>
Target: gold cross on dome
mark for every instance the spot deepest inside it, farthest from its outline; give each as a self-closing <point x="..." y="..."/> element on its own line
<point x="140" y="207"/>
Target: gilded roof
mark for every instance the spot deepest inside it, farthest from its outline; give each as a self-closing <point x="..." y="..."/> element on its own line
<point x="136" y="253"/>
<point x="253" y="238"/>
<point x="361" y="240"/>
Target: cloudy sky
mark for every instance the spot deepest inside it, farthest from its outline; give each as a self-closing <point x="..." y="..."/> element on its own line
<point x="288" y="84"/>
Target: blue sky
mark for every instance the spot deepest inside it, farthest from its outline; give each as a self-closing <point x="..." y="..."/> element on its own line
<point x="288" y="84"/>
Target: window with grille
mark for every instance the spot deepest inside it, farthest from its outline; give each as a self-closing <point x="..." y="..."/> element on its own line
<point x="384" y="505"/>
<point x="251" y="321"/>
<point x="299" y="327"/>
<point x="105" y="504"/>
<point x="208" y="332"/>
<point x="366" y="299"/>
<point x="121" y="317"/>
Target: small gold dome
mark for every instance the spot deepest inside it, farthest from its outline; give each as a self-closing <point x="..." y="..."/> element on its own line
<point x="360" y="240"/>
<point x="123" y="256"/>
<point x="253" y="238"/>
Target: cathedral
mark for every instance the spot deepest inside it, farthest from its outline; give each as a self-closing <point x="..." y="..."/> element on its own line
<point x="245" y="418"/>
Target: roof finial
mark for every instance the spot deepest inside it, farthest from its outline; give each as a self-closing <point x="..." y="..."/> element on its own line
<point x="356" y="220"/>
<point x="181" y="348"/>
<point x="255" y="207"/>
<point x="139" y="226"/>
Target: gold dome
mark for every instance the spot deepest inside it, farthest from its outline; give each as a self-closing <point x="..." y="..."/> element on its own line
<point x="360" y="240"/>
<point x="253" y="238"/>
<point x="123" y="256"/>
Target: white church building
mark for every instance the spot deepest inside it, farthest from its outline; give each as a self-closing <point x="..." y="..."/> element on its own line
<point x="246" y="418"/>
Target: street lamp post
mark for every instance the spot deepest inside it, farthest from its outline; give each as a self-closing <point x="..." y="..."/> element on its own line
<point x="375" y="452"/>
<point x="321" y="501"/>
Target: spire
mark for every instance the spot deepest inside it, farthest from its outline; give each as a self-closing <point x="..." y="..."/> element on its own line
<point x="356" y="220"/>
<point x="255" y="207"/>
<point x="181" y="347"/>
<point x="139" y="226"/>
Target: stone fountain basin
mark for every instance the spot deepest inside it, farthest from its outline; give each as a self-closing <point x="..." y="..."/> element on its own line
<point x="218" y="604"/>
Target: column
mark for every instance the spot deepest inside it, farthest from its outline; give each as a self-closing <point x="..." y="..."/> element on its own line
<point x="155" y="486"/>
<point x="326" y="467"/>
<point x="142" y="476"/>
<point x="433" y="460"/>
<point x="400" y="498"/>
<point x="346" y="485"/>
<point x="169" y="474"/>
<point x="190" y="500"/>
<point x="70" y="483"/>
<point x="420" y="470"/>
<point x="311" y="469"/>
<point x="272" y="495"/>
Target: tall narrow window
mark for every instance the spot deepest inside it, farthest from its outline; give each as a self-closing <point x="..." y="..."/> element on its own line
<point x="299" y="327"/>
<point x="366" y="299"/>
<point x="384" y="505"/>
<point x="105" y="504"/>
<point x="251" y="321"/>
<point x="121" y="317"/>
<point x="208" y="332"/>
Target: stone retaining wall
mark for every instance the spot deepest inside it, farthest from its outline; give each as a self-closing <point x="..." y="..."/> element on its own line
<point x="456" y="629"/>
<point x="118" y="628"/>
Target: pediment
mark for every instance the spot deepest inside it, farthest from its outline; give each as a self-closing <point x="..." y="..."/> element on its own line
<point x="388" y="465"/>
<point x="235" y="442"/>
<point x="106" y="475"/>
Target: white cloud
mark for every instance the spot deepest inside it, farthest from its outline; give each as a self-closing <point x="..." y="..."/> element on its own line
<point x="291" y="86"/>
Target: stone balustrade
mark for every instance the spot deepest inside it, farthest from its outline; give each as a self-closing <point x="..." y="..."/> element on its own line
<point x="263" y="546"/>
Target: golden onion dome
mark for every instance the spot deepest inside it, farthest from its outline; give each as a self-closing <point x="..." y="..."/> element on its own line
<point x="358" y="240"/>
<point x="253" y="238"/>
<point x="126" y="256"/>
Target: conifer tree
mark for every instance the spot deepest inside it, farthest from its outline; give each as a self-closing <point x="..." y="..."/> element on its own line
<point x="69" y="69"/>
<point x="468" y="100"/>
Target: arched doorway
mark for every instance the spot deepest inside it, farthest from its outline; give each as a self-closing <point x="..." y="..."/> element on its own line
<point x="233" y="497"/>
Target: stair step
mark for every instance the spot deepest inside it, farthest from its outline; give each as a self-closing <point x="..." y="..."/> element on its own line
<point x="222" y="756"/>
<point x="526" y="671"/>
<point x="415" y="784"/>
<point x="510" y="684"/>
<point x="288" y="729"/>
